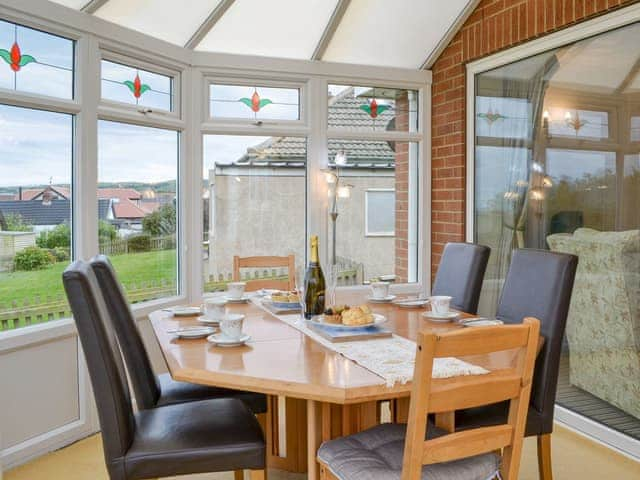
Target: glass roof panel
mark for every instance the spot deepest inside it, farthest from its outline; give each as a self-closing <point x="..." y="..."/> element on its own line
<point x="401" y="33"/>
<point x="277" y="28"/>
<point x="168" y="20"/>
<point x="77" y="4"/>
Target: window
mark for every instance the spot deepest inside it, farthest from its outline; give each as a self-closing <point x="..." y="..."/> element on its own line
<point x="372" y="108"/>
<point x="380" y="213"/>
<point x="254" y="102"/>
<point x="568" y="180"/>
<point x="124" y="84"/>
<point x="32" y="61"/>
<point x="376" y="199"/>
<point x="253" y="203"/>
<point x="36" y="200"/>
<point x="137" y="207"/>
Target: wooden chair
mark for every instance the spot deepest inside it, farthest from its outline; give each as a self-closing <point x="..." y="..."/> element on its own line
<point x="403" y="450"/>
<point x="266" y="262"/>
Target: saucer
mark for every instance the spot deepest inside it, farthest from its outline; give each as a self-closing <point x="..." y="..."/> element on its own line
<point x="192" y="332"/>
<point x="411" y="303"/>
<point x="387" y="299"/>
<point x="242" y="299"/>
<point x="181" y="311"/>
<point x="481" y="322"/>
<point x="209" y="321"/>
<point x="443" y="318"/>
<point x="219" y="340"/>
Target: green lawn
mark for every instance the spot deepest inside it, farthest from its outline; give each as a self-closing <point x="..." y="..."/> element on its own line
<point x="134" y="269"/>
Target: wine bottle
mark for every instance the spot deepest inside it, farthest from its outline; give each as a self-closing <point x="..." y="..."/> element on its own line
<point x="314" y="285"/>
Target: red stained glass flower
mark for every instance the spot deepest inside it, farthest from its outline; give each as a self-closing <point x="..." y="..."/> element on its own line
<point x="255" y="103"/>
<point x="137" y="87"/>
<point x="373" y="109"/>
<point x="15" y="59"/>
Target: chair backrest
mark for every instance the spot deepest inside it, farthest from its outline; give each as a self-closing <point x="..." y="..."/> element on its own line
<point x="104" y="363"/>
<point x="539" y="284"/>
<point x="460" y="274"/>
<point x="266" y="262"/>
<point x="144" y="382"/>
<point x="512" y="383"/>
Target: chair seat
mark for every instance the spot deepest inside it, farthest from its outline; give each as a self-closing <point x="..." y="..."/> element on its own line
<point x="173" y="392"/>
<point x="496" y="414"/>
<point x="376" y="454"/>
<point x="195" y="437"/>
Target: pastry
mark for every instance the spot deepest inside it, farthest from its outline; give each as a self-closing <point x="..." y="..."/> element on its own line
<point x="357" y="316"/>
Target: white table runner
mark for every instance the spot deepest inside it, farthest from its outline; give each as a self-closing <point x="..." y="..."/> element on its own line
<point x="393" y="359"/>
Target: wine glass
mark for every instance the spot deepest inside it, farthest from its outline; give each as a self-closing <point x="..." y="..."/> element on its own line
<point x="300" y="275"/>
<point x="332" y="284"/>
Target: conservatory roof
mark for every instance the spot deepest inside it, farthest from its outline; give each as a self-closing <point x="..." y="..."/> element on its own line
<point x="398" y="33"/>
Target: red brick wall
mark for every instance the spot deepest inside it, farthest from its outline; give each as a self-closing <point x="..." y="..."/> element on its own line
<point x="494" y="25"/>
<point x="402" y="195"/>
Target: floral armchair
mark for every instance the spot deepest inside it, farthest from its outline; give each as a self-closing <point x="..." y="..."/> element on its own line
<point x="603" y="328"/>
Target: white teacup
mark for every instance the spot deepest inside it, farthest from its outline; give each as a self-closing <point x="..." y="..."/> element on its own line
<point x="215" y="308"/>
<point x="235" y="290"/>
<point x="440" y="304"/>
<point x="231" y="326"/>
<point x="379" y="290"/>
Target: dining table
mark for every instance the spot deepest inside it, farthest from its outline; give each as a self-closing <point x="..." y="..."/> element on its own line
<point x="327" y="395"/>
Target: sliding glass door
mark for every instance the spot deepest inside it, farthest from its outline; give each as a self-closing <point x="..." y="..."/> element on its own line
<point x="557" y="167"/>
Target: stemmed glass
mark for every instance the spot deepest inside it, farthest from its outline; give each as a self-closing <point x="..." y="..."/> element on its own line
<point x="332" y="284"/>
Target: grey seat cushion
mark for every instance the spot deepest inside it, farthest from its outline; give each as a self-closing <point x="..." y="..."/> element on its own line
<point x="376" y="454"/>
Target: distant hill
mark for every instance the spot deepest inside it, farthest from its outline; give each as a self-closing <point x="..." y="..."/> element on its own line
<point x="168" y="186"/>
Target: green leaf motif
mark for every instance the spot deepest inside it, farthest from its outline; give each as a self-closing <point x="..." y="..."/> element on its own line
<point x="382" y="108"/>
<point x="366" y="108"/>
<point x="246" y="101"/>
<point x="6" y="56"/>
<point x="265" y="101"/>
<point x="144" y="88"/>
<point x="130" y="85"/>
<point x="26" y="59"/>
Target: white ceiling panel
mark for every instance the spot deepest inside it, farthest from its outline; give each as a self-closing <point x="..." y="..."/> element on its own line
<point x="399" y="33"/>
<point x="77" y="4"/>
<point x="275" y="28"/>
<point x="168" y="20"/>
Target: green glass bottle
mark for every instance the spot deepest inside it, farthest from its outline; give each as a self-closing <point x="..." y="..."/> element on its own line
<point x="314" y="285"/>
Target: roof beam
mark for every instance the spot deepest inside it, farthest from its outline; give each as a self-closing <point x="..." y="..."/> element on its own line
<point x="93" y="5"/>
<point x="209" y="23"/>
<point x="450" y="33"/>
<point x="330" y="29"/>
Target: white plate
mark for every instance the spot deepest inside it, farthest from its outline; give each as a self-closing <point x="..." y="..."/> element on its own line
<point x="377" y="320"/>
<point x="243" y="299"/>
<point x="482" y="322"/>
<point x="192" y="332"/>
<point x="387" y="299"/>
<point x="184" y="311"/>
<point x="220" y="340"/>
<point x="408" y="303"/>
<point x="447" y="317"/>
<point x="216" y="321"/>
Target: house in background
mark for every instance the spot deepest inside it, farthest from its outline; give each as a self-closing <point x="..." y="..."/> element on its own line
<point x="263" y="188"/>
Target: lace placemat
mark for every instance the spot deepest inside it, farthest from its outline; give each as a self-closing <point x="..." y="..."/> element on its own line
<point x="393" y="359"/>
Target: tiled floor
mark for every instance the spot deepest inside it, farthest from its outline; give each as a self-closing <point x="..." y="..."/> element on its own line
<point x="574" y="457"/>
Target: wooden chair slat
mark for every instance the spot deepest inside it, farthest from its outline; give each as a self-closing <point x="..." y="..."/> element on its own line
<point x="474" y="390"/>
<point x="466" y="444"/>
<point x="264" y="262"/>
<point x="481" y="341"/>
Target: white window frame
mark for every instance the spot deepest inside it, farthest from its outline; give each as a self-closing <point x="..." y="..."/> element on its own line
<point x="619" y="18"/>
<point x="302" y="120"/>
<point x="127" y="61"/>
<point x="366" y="213"/>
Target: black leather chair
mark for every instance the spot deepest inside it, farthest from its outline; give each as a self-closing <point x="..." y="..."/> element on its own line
<point x="153" y="390"/>
<point x="194" y="437"/>
<point x="460" y="274"/>
<point x="538" y="284"/>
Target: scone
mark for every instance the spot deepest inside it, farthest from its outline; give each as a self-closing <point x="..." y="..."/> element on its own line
<point x="356" y="316"/>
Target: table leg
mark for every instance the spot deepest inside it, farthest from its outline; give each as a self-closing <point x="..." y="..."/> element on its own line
<point x="313" y="439"/>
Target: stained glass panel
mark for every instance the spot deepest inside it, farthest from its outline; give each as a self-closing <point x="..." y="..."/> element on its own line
<point x="372" y="108"/>
<point x="125" y="84"/>
<point x="37" y="62"/>
<point x="254" y="102"/>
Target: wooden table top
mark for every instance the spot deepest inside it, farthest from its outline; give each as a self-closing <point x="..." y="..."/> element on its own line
<point x="280" y="360"/>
